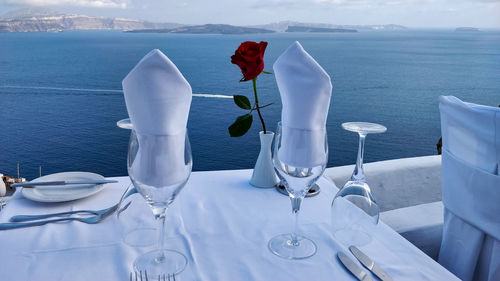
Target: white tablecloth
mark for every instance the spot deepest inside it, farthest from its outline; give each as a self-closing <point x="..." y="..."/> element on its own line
<point x="219" y="221"/>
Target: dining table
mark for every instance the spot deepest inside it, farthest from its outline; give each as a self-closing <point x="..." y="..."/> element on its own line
<point x="220" y="222"/>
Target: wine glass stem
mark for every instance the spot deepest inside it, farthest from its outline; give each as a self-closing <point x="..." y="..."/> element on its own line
<point x="359" y="174"/>
<point x="161" y="237"/>
<point x="296" y="201"/>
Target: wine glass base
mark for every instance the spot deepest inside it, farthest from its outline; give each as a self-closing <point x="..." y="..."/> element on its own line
<point x="352" y="237"/>
<point x="282" y="246"/>
<point x="159" y="262"/>
<point x="313" y="191"/>
<point x="364" y="127"/>
<point x="141" y="237"/>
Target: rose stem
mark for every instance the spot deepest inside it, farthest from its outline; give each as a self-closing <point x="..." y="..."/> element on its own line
<point x="254" y="81"/>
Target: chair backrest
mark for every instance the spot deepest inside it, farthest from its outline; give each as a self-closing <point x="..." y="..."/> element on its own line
<point x="471" y="132"/>
<point x="470" y="245"/>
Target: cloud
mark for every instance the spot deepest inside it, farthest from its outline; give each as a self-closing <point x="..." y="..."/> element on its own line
<point x="302" y="3"/>
<point x="321" y="3"/>
<point x="80" y="3"/>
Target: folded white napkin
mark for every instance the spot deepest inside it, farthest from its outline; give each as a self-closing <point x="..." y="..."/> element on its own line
<point x="305" y="90"/>
<point x="158" y="99"/>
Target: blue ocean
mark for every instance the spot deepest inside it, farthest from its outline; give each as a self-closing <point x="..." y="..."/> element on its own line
<point x="60" y="93"/>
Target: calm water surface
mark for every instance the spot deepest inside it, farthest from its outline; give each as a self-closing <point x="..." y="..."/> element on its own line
<point x="60" y="93"/>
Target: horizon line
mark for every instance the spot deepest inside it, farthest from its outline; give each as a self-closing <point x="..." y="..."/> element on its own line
<point x="259" y="24"/>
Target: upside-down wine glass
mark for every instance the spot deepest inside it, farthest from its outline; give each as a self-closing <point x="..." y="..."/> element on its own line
<point x="159" y="167"/>
<point x="297" y="181"/>
<point x="347" y="220"/>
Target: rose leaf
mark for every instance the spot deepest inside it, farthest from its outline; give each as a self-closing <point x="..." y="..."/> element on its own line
<point x="242" y="102"/>
<point x="241" y="125"/>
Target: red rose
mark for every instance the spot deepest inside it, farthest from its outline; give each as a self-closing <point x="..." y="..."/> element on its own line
<point x="250" y="58"/>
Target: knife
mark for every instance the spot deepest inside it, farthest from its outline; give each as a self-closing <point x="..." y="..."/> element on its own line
<point x="33" y="183"/>
<point x="355" y="269"/>
<point x="370" y="264"/>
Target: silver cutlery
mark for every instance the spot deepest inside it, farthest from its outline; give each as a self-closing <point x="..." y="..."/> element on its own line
<point x="23" y="218"/>
<point x="369" y="264"/>
<point x="138" y="277"/>
<point x="40" y="183"/>
<point x="355" y="269"/>
<point x="90" y="220"/>
<point x="166" y="277"/>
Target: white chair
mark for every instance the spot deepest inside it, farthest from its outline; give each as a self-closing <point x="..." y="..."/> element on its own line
<point x="470" y="246"/>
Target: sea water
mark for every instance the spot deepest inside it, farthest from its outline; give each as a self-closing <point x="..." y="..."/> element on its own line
<point x="60" y="93"/>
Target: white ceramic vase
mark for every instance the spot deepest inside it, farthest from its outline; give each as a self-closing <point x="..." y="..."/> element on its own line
<point x="263" y="172"/>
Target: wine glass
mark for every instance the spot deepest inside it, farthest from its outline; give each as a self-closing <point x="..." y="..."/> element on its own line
<point x="136" y="231"/>
<point x="159" y="167"/>
<point x="299" y="158"/>
<point x="347" y="218"/>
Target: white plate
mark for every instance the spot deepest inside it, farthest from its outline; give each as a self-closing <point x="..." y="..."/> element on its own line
<point x="63" y="193"/>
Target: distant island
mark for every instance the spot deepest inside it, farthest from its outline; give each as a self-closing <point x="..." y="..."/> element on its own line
<point x="207" y="29"/>
<point x="317" y="29"/>
<point x="282" y="26"/>
<point x="44" y="20"/>
<point x="467" y="29"/>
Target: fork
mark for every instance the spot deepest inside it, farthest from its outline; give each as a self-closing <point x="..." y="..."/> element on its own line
<point x="139" y="277"/>
<point x="23" y="218"/>
<point x="161" y="277"/>
<point x="166" y="277"/>
<point x="90" y="220"/>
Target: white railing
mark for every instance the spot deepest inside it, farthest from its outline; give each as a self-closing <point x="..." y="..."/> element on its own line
<point x="408" y="191"/>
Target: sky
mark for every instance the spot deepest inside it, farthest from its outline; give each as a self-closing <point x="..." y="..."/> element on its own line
<point x="410" y="13"/>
